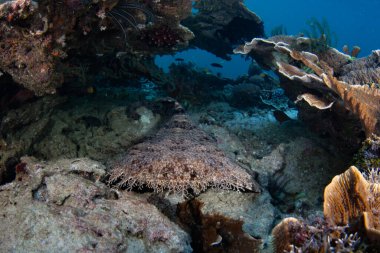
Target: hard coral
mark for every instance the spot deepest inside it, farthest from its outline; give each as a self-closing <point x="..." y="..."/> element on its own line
<point x="293" y="65"/>
<point x="298" y="236"/>
<point x="349" y="198"/>
<point x="368" y="156"/>
<point x="351" y="210"/>
<point x="178" y="158"/>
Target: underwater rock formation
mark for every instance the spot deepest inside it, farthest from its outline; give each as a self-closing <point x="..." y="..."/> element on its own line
<point x="20" y="129"/>
<point x="25" y="53"/>
<point x="220" y="24"/>
<point x="255" y="213"/>
<point x="53" y="127"/>
<point x="180" y="157"/>
<point x="217" y="227"/>
<point x="304" y="72"/>
<point x="63" y="206"/>
<point x="39" y="42"/>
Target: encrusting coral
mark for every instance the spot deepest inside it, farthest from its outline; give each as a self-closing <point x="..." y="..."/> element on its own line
<point x="180" y="157"/>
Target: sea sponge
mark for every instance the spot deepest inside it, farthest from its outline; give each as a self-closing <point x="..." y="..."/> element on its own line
<point x="178" y="158"/>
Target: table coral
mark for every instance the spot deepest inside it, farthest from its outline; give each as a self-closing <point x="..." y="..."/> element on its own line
<point x="178" y="158"/>
<point x="317" y="73"/>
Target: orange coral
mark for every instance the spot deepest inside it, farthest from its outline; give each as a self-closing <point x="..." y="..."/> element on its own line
<point x="346" y="197"/>
<point x="349" y="198"/>
<point x="284" y="232"/>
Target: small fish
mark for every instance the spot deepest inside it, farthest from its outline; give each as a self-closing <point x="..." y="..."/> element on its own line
<point x="217" y="242"/>
<point x="90" y="90"/>
<point x="77" y="91"/>
<point x="179" y="59"/>
<point x="280" y="116"/>
<point x="216" y="65"/>
<point x="263" y="75"/>
<point x="206" y="71"/>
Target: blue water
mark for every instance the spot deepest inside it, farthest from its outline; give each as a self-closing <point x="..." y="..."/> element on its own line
<point x="355" y="23"/>
<point x="237" y="66"/>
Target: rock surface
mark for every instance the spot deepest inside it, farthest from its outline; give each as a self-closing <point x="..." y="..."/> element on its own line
<point x="62" y="206"/>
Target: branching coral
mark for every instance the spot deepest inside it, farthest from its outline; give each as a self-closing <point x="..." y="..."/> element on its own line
<point x="292" y="235"/>
<point x="180" y="157"/>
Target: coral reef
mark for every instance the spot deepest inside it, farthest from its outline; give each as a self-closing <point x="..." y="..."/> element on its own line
<point x="24" y="54"/>
<point x="351" y="207"/>
<point x="305" y="72"/>
<point x="186" y="84"/>
<point x="297" y="236"/>
<point x="218" y="25"/>
<point x="39" y="41"/>
<point x="362" y="71"/>
<point x="180" y="157"/>
<point x="368" y="157"/>
<point x="350" y="196"/>
<point x="64" y="206"/>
